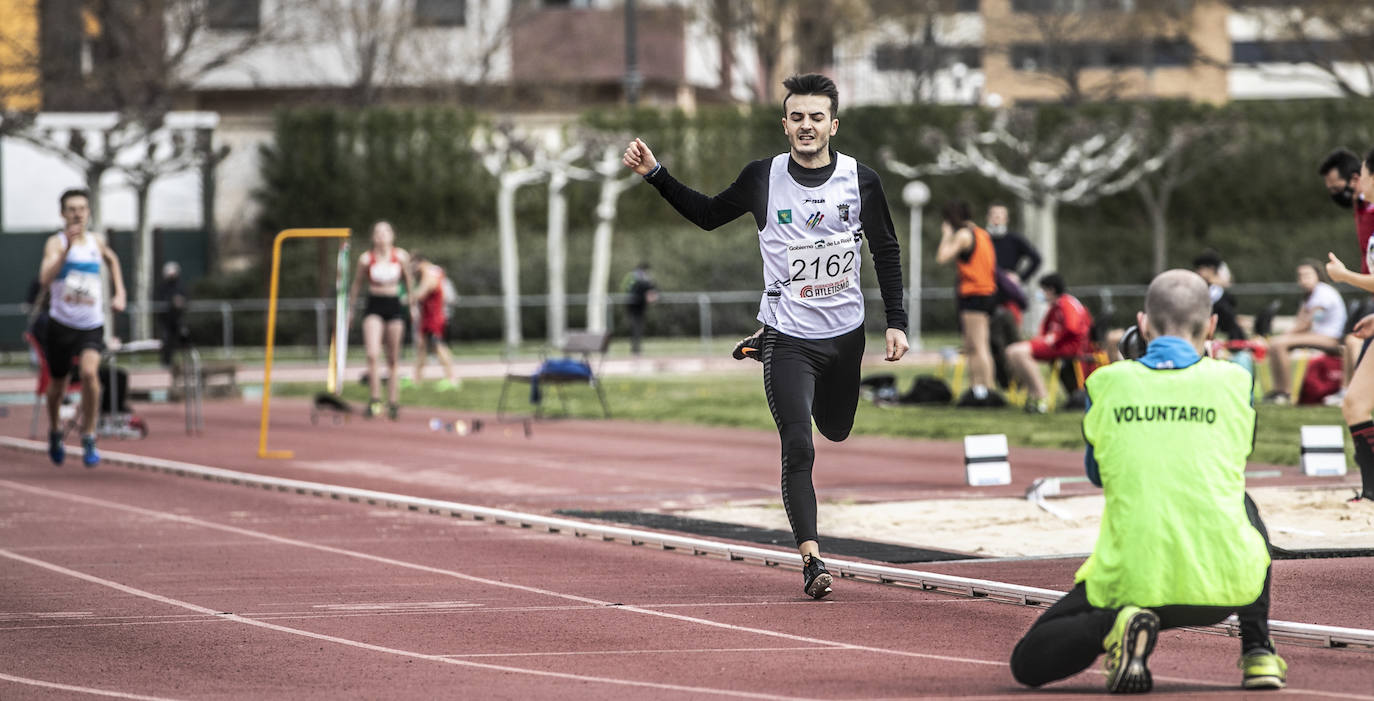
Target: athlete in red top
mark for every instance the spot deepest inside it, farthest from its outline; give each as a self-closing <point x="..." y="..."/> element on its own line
<point x="1065" y="332"/>
<point x="429" y="289"/>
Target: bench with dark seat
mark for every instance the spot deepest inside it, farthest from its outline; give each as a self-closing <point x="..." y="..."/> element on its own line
<point x="582" y="353"/>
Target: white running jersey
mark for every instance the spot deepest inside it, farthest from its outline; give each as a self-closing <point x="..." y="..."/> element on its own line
<point x="810" y="247"/>
<point x="77" y="292"/>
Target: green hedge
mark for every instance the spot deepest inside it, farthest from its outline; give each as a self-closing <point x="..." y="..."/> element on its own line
<point x="1258" y="200"/>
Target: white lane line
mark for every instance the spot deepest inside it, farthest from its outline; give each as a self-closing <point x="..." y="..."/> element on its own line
<point x="376" y="648"/>
<point x="519" y="587"/>
<point x="80" y="689"/>
<point x="179" y="518"/>
<point x="636" y="652"/>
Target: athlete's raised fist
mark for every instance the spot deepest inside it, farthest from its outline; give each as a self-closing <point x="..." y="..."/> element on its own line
<point x="639" y="158"/>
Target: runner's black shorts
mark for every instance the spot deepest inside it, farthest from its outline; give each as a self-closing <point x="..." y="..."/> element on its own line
<point x="64" y="343"/>
<point x="388" y="308"/>
<point x="986" y="304"/>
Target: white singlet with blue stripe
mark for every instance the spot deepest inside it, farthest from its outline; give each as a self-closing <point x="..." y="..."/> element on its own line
<point x="810" y="247"/>
<point x="77" y="292"/>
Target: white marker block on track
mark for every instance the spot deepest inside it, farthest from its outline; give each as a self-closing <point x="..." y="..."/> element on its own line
<point x="1323" y="451"/>
<point x="985" y="460"/>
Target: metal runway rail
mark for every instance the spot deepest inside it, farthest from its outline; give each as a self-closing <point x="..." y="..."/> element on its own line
<point x="1301" y="633"/>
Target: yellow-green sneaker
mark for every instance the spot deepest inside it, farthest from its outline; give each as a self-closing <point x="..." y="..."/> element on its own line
<point x="1128" y="648"/>
<point x="446" y="386"/>
<point x="1263" y="669"/>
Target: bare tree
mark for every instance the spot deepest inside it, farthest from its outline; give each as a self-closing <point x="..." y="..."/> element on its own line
<point x="920" y="55"/>
<point x="1076" y="164"/>
<point x="1332" y="35"/>
<point x="145" y="57"/>
<point x="1189" y="150"/>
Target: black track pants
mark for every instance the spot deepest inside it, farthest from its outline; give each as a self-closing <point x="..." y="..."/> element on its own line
<point x="1067" y="638"/>
<point x="805" y="379"/>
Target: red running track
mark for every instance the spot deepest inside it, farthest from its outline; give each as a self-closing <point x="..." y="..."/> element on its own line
<point x="146" y="585"/>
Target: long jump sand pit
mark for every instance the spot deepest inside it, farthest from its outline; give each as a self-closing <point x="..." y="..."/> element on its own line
<point x="1298" y="518"/>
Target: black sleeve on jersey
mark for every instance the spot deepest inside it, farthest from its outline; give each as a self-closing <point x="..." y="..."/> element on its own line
<point x="749" y="193"/>
<point x="882" y="244"/>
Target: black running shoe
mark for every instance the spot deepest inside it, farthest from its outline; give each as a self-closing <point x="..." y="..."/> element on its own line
<point x="751" y="347"/>
<point x="815" y="577"/>
<point x="393" y="411"/>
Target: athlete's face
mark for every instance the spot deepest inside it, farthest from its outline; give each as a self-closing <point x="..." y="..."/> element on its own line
<point x="382" y="235"/>
<point x="76" y="212"/>
<point x="1365" y="184"/>
<point x="1307" y="277"/>
<point x="809" y="124"/>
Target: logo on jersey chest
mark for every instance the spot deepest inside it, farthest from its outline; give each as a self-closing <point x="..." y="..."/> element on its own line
<point x="784" y="216"/>
<point x="844" y="212"/>
<point x="814" y="220"/>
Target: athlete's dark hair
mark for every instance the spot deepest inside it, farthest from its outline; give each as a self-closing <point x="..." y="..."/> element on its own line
<point x="957" y="213"/>
<point x="813" y="84"/>
<point x="1368" y="162"/>
<point x="1316" y="267"/>
<point x="1343" y="160"/>
<point x="1053" y="282"/>
<point x="74" y="192"/>
<point x="1207" y="259"/>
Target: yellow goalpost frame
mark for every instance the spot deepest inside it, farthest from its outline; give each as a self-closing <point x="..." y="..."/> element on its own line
<point x="263" y="452"/>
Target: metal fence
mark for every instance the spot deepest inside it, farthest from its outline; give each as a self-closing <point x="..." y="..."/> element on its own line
<point x="229" y="323"/>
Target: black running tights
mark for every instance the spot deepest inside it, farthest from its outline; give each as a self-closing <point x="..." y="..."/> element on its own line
<point x="805" y="379"/>
<point x="1067" y="638"/>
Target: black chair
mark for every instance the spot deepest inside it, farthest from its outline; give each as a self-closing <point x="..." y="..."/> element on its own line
<point x="583" y="353"/>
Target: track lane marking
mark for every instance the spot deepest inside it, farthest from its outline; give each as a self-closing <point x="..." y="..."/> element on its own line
<point x="635" y="652"/>
<point x="573" y="597"/>
<point x="190" y="520"/>
<point x="133" y="591"/>
<point x="80" y="689"/>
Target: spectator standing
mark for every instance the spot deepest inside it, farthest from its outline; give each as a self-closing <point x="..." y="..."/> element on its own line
<point x="173" y="326"/>
<point x="641" y="291"/>
<point x="433" y="296"/>
<point x="969" y="247"/>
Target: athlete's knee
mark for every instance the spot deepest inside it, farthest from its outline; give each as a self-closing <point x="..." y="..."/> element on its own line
<point x="90" y="377"/>
<point x="798" y="451"/>
<point x="1023" y="670"/>
<point x="835" y="431"/>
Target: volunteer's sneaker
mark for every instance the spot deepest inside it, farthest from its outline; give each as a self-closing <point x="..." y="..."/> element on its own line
<point x="89" y="457"/>
<point x="56" y="451"/>
<point x="393" y="411"/>
<point x="751" y="347"/>
<point x="1128" y="647"/>
<point x="816" y="578"/>
<point x="1262" y="669"/>
<point x="373" y="408"/>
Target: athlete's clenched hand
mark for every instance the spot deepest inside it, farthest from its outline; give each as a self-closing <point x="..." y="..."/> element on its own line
<point x="639" y="158"/>
<point x="896" y="344"/>
<point x="1364" y="328"/>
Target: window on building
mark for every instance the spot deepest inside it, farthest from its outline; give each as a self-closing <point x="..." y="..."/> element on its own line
<point x="1160" y="53"/>
<point x="1044" y="7"/>
<point x="233" y="14"/>
<point x="1282" y="51"/>
<point x="441" y="13"/>
<point x="919" y="57"/>
<point x="966" y="6"/>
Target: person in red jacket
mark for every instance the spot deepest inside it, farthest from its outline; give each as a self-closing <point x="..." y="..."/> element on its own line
<point x="1065" y="332"/>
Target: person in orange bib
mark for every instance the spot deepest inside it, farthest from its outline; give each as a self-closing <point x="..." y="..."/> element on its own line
<point x="970" y="247"/>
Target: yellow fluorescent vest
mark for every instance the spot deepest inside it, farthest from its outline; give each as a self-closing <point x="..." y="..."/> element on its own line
<point x="1171" y="447"/>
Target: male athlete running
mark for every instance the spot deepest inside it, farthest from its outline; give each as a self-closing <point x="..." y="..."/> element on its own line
<point x="813" y="208"/>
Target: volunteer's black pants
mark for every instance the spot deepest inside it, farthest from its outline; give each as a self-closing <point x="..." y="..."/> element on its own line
<point x="805" y="379"/>
<point x="1067" y="638"/>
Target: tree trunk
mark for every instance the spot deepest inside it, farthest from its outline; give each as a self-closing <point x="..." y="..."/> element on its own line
<point x="510" y="269"/>
<point x="601" y="256"/>
<point x="142" y="321"/>
<point x="558" y="258"/>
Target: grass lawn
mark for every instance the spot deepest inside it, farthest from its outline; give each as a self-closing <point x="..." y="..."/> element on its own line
<point x="737" y="400"/>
